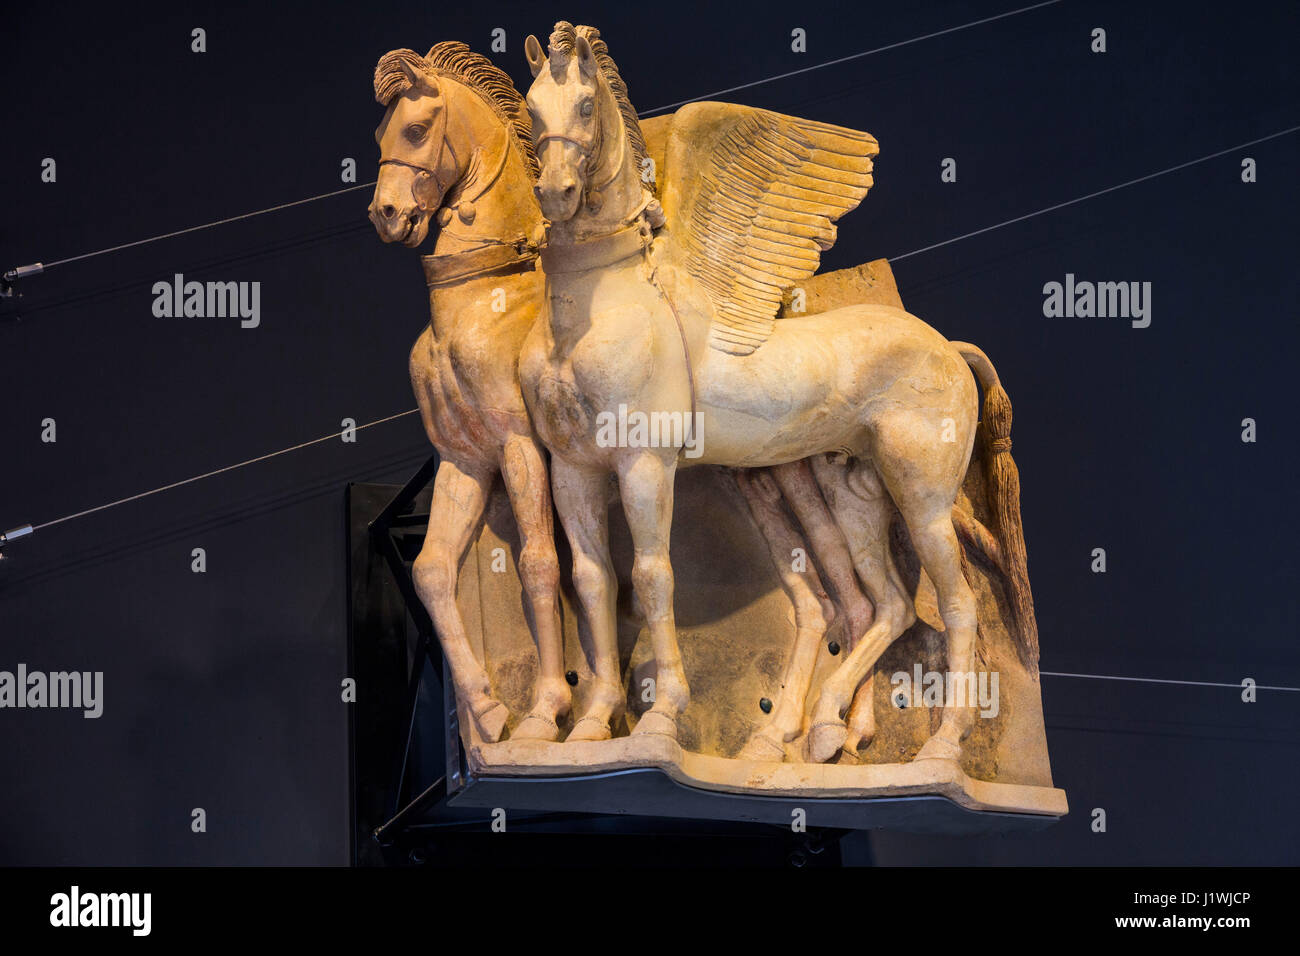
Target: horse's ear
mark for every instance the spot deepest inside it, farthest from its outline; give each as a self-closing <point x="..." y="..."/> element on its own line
<point x="533" y="51"/>
<point x="419" y="79"/>
<point x="586" y="59"/>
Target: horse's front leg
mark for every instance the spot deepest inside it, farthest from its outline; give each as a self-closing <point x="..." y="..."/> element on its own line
<point x="646" y="483"/>
<point x="460" y="495"/>
<point x="524" y="468"/>
<point x="581" y="499"/>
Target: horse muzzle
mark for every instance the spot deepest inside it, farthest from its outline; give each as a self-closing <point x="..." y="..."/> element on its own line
<point x="394" y="223"/>
<point x="405" y="196"/>
<point x="558" y="196"/>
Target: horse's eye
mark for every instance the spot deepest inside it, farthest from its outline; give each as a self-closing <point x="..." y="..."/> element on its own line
<point x="416" y="133"/>
<point x="587" y="108"/>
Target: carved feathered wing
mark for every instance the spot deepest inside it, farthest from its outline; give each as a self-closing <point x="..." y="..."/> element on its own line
<point x="751" y="198"/>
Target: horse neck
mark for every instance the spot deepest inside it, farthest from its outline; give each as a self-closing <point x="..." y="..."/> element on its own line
<point x="505" y="207"/>
<point x="621" y="200"/>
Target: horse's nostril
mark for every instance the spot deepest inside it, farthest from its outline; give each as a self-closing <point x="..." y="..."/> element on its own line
<point x="568" y="191"/>
<point x="387" y="211"/>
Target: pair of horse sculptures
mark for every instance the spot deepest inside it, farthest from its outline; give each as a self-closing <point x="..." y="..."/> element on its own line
<point x="572" y="280"/>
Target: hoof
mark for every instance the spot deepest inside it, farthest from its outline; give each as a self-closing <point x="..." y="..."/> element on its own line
<point x="849" y="757"/>
<point x="825" y="740"/>
<point x="762" y="747"/>
<point x="656" y="722"/>
<point x="491" y="723"/>
<point x="589" y="728"/>
<point x="536" y="727"/>
<point x="863" y="741"/>
<point x="939" y="748"/>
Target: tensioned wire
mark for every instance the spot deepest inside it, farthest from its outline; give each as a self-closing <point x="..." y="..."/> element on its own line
<point x="779" y="76"/>
<point x="743" y="86"/>
<point x="986" y="229"/>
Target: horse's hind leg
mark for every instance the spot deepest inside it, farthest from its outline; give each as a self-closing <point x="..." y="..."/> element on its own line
<point x="923" y="478"/>
<point x="936" y="545"/>
<point x="863" y="512"/>
<point x="805" y="497"/>
<point x="861" y="720"/>
<point x="812" y="615"/>
<point x="524" y="469"/>
<point x="459" y="497"/>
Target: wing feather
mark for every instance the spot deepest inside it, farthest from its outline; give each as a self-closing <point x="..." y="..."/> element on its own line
<point x="751" y="199"/>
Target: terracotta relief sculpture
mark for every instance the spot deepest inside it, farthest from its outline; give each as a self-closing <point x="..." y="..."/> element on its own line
<point x="455" y="145"/>
<point x="575" y="297"/>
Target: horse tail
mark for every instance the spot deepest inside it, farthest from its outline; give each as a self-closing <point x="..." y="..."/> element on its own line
<point x="1003" y="479"/>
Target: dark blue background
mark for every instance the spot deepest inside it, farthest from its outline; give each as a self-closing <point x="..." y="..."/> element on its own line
<point x="222" y="689"/>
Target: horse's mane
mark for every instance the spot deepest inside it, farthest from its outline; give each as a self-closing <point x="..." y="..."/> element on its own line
<point x="563" y="39"/>
<point x="457" y="61"/>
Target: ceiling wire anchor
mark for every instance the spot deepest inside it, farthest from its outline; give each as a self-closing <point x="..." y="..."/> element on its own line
<point x="21" y="272"/>
<point x="14" y="533"/>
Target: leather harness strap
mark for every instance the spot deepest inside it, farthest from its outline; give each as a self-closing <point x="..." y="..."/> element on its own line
<point x="589" y="254"/>
<point x="497" y="257"/>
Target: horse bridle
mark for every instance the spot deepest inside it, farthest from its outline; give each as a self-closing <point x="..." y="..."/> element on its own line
<point x="419" y="182"/>
<point x="586" y="149"/>
<point x="592" y="190"/>
<point x="493" y="254"/>
<point x="425" y="203"/>
<point x="424" y="174"/>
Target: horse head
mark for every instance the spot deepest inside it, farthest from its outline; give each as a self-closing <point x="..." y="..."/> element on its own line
<point x="416" y="166"/>
<point x="576" y="123"/>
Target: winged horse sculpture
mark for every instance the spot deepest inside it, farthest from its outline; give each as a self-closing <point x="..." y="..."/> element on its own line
<point x="455" y="146"/>
<point x="667" y="306"/>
